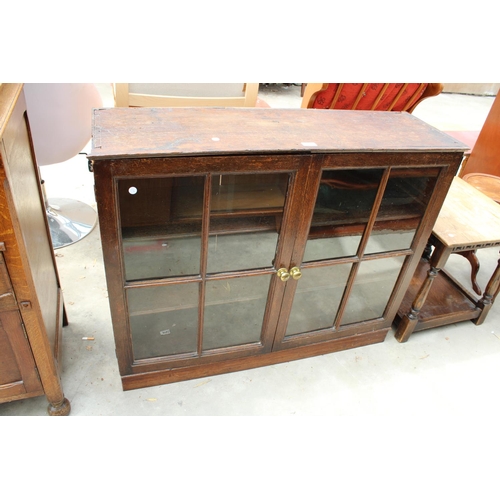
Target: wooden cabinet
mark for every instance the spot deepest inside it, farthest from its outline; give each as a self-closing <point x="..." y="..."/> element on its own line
<point x="31" y="303"/>
<point x="237" y="238"/>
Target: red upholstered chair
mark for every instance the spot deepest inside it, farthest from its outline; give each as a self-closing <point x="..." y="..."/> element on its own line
<point x="368" y="96"/>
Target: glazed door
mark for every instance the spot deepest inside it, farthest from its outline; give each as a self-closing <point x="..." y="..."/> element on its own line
<point x="345" y="268"/>
<point x="200" y="257"/>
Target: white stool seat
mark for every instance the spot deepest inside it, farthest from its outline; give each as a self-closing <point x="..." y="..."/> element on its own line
<point x="60" y="118"/>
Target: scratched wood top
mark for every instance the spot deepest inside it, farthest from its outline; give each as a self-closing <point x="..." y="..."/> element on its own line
<point x="153" y="132"/>
<point x="467" y="217"/>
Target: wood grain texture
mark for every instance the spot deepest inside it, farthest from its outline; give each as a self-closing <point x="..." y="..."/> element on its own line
<point x="145" y="132"/>
<point x="34" y="326"/>
<point x="467" y="217"/>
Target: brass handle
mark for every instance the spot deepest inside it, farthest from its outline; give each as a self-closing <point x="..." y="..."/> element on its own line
<point x="283" y="274"/>
<point x="295" y="273"/>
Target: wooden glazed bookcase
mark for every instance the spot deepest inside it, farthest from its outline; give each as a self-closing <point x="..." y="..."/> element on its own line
<point x="31" y="303"/>
<point x="238" y="238"/>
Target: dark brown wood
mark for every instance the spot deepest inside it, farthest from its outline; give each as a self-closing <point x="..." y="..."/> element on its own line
<point x="191" y="131"/>
<point x="205" y="233"/>
<point x="459" y="306"/>
<point x="31" y="328"/>
<point x="136" y="145"/>
<point x="232" y="365"/>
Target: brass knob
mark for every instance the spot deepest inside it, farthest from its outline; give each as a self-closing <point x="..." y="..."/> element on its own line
<point x="283" y="274"/>
<point x="295" y="273"/>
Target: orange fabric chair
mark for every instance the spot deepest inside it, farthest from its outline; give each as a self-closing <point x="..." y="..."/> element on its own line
<point x="368" y="96"/>
<point x="482" y="169"/>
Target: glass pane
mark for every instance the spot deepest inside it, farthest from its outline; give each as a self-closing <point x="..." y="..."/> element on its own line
<point x="163" y="320"/>
<point x="245" y="218"/>
<point x="317" y="298"/>
<point x="404" y="202"/>
<point x="331" y="248"/>
<point x="234" y="311"/>
<point x="161" y="226"/>
<point x="372" y="289"/>
<point x="386" y="241"/>
<point x="343" y="205"/>
<point x="406" y="194"/>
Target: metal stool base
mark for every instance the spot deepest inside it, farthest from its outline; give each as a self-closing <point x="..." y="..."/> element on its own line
<point x="69" y="220"/>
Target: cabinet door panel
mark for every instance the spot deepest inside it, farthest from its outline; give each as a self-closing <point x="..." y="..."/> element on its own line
<point x="362" y="229"/>
<point x="199" y="266"/>
<point x="17" y="367"/>
<point x="28" y="217"/>
<point x="9" y="370"/>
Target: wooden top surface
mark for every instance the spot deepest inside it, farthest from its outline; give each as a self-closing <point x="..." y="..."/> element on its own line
<point x="467" y="217"/>
<point x="143" y="132"/>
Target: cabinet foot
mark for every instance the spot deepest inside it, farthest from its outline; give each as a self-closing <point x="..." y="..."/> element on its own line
<point x="60" y="410"/>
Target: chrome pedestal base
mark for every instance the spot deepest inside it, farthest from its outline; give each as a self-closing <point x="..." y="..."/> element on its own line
<point x="69" y="220"/>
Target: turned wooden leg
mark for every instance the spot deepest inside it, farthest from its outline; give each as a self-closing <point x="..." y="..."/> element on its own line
<point x="490" y="293"/>
<point x="409" y="321"/>
<point x="61" y="409"/>
<point x="471" y="256"/>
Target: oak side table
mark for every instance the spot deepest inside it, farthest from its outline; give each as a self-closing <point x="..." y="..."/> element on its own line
<point x="468" y="220"/>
